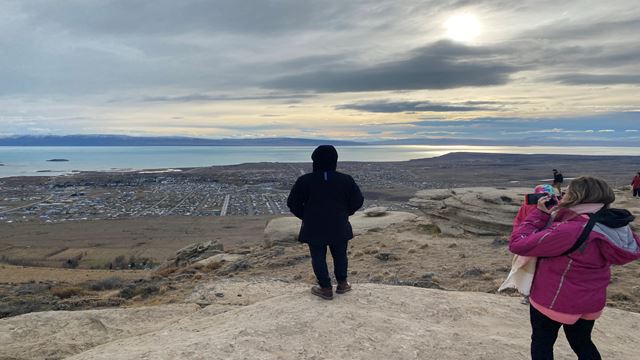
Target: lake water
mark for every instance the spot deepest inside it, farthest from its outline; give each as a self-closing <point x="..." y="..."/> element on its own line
<point x="30" y="161"/>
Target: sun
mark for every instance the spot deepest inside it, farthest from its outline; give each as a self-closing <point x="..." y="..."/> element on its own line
<point x="462" y="28"/>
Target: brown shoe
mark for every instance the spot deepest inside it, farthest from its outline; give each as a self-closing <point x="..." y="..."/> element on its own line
<point x="325" y="293"/>
<point x="343" y="287"/>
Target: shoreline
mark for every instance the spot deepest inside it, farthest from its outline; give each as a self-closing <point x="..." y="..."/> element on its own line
<point x="176" y="170"/>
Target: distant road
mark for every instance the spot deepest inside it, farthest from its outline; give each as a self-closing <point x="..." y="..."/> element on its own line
<point x="225" y="205"/>
<point x="26" y="206"/>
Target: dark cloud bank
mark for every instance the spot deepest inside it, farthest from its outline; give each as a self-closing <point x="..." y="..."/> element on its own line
<point x="442" y="65"/>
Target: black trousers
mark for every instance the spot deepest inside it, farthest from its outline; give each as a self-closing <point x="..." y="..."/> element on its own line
<point x="545" y="333"/>
<point x="636" y="192"/>
<point x="319" y="262"/>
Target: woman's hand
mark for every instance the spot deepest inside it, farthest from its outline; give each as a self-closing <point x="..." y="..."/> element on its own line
<point x="542" y="204"/>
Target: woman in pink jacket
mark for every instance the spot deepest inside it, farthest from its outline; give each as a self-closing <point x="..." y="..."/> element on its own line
<point x="570" y="289"/>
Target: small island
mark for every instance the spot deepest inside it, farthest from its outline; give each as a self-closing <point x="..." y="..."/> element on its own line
<point x="58" y="160"/>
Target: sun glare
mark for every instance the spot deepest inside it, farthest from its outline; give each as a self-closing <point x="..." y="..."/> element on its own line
<point x="462" y="28"/>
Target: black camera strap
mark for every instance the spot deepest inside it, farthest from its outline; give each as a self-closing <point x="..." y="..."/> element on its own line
<point x="593" y="219"/>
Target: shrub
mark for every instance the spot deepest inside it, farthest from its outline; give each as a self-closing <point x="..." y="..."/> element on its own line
<point x="140" y="263"/>
<point x="71" y="263"/>
<point x="144" y="291"/>
<point x="120" y="262"/>
<point x="166" y="271"/>
<point x="66" y="292"/>
<point x="109" y="283"/>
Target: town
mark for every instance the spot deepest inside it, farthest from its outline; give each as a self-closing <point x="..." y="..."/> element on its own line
<point x="243" y="190"/>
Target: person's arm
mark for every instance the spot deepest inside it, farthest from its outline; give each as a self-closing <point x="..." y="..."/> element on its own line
<point x="298" y="198"/>
<point x="355" y="197"/>
<point x="531" y="239"/>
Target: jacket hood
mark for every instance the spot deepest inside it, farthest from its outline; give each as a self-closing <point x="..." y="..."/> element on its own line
<point x="621" y="245"/>
<point x="325" y="158"/>
<point x="615" y="218"/>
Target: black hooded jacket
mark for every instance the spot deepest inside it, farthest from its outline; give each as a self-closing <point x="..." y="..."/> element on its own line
<point x="324" y="200"/>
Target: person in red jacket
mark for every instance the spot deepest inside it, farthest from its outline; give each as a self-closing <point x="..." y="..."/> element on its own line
<point x="635" y="184"/>
<point x="569" y="288"/>
<point x="525" y="208"/>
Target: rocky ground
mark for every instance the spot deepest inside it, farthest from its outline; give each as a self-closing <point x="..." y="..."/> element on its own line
<point x="460" y="243"/>
<point x="457" y="243"/>
<point x="277" y="320"/>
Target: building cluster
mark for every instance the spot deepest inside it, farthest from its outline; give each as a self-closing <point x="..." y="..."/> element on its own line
<point x="237" y="192"/>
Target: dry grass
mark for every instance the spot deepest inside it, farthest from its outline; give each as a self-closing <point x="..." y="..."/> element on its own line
<point x="67" y="292"/>
<point x="25" y="274"/>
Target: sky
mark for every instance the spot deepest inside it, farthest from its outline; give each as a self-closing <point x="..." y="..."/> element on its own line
<point x="354" y="70"/>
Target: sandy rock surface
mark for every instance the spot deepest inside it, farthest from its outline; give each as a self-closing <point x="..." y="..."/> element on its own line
<point x="284" y="230"/>
<point x="58" y="334"/>
<point x="371" y="322"/>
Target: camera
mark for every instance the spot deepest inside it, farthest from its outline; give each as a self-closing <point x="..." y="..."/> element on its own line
<point x="532" y="199"/>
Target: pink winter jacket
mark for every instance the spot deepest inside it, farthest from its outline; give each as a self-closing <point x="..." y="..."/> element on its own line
<point x="575" y="283"/>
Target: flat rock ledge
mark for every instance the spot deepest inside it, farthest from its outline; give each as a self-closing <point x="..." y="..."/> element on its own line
<point x="372" y="322"/>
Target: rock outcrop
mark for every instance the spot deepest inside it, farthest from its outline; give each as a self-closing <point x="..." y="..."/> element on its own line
<point x="218" y="260"/>
<point x="284" y="231"/>
<point x="194" y="253"/>
<point x="476" y="211"/>
<point x="372" y="322"/>
<point x="375" y="211"/>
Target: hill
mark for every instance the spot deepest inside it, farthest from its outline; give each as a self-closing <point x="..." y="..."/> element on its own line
<point x="122" y="140"/>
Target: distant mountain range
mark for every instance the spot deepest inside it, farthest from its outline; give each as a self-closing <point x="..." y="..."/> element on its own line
<point x="123" y="140"/>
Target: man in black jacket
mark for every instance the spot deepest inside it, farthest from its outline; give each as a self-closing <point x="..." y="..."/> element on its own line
<point x="324" y="200"/>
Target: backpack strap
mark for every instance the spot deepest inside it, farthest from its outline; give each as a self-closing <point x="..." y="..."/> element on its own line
<point x="593" y="219"/>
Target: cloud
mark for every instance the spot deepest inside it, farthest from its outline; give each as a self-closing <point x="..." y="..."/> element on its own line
<point x="441" y="65"/>
<point x="386" y="106"/>
<point x="563" y="29"/>
<point x="144" y="65"/>
<point x="597" y="79"/>
<point x="588" y="47"/>
<point x="570" y="130"/>
<point x="207" y="97"/>
<point x="175" y="17"/>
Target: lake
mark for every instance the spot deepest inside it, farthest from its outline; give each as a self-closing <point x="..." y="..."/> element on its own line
<point x="31" y="161"/>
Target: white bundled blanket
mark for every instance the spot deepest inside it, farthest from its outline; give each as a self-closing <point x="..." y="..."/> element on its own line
<point x="521" y="276"/>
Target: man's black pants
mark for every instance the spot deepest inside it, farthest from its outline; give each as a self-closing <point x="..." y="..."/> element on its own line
<point x="636" y="192"/>
<point x="545" y="333"/>
<point x="319" y="262"/>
